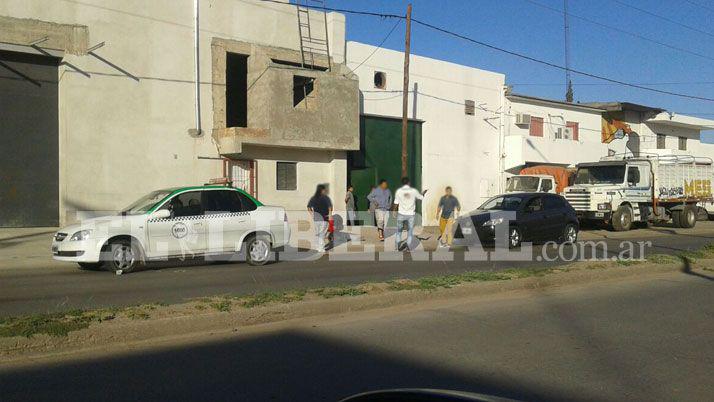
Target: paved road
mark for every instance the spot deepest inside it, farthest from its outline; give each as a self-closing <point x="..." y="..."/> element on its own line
<point x="647" y="339"/>
<point x="60" y="287"/>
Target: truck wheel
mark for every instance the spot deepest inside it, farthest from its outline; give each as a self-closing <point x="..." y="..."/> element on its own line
<point x="675" y="219"/>
<point x="622" y="219"/>
<point x="702" y="214"/>
<point x="688" y="217"/>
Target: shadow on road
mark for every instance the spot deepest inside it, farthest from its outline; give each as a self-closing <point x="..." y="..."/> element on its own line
<point x="287" y="366"/>
<point x="687" y="269"/>
<point x="14" y="240"/>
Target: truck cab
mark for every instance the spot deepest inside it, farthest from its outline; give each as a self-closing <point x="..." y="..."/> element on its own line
<point x="601" y="188"/>
<point x="622" y="191"/>
<point x="531" y="183"/>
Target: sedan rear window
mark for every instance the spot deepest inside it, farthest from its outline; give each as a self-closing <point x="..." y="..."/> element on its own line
<point x="502" y="203"/>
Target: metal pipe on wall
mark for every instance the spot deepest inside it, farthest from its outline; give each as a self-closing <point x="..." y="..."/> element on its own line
<point x="501" y="140"/>
<point x="196" y="132"/>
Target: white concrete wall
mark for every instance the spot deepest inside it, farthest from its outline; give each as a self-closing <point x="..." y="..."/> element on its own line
<point x="521" y="147"/>
<point x="313" y="167"/>
<point x="457" y="149"/>
<point x="120" y="138"/>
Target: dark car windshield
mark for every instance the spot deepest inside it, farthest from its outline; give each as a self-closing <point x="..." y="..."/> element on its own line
<point x="145" y="203"/>
<point x="502" y="203"/>
<point x="611" y="174"/>
<point x="522" y="183"/>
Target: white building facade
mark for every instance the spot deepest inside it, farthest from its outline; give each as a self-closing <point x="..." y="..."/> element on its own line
<point x="120" y="116"/>
<point x="460" y="109"/>
<point x="547" y="132"/>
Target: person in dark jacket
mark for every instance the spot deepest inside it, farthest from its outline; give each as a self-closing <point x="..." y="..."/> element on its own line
<point x="350" y="205"/>
<point x="320" y="207"/>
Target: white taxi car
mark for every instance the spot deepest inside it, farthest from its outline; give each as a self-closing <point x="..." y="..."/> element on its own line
<point x="176" y="222"/>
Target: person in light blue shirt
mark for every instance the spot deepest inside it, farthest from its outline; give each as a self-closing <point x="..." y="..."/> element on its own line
<point x="381" y="196"/>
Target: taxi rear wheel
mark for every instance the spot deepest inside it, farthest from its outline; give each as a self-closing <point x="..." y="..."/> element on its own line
<point x="258" y="249"/>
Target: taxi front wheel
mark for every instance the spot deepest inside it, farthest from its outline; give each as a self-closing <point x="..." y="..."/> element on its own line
<point x="124" y="256"/>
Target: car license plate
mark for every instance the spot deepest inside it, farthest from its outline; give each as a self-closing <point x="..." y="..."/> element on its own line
<point x="599" y="214"/>
<point x="466" y="231"/>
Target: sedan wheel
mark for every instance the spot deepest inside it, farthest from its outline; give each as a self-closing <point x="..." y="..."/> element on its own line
<point x="570" y="234"/>
<point x="514" y="237"/>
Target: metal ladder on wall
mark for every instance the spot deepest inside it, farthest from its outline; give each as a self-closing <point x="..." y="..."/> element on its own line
<point x="310" y="45"/>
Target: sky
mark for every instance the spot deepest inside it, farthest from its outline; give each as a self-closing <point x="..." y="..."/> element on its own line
<point x="527" y="27"/>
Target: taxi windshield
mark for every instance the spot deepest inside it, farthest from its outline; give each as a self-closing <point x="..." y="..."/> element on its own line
<point x="145" y="203"/>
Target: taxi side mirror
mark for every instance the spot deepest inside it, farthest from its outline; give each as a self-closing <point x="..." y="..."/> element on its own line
<point x="160" y="214"/>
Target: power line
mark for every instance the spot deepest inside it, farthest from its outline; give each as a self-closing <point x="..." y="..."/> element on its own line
<point x="556" y="66"/>
<point x="547" y="84"/>
<point x="338" y="10"/>
<point x="663" y="18"/>
<point x="378" y="46"/>
<point x="622" y="31"/>
<point x="700" y="5"/>
<point x="506" y="51"/>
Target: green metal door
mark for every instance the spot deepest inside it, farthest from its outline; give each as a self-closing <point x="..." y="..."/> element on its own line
<point x="380" y="156"/>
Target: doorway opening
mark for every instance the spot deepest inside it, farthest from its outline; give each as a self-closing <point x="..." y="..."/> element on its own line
<point x="243" y="174"/>
<point x="236" y="90"/>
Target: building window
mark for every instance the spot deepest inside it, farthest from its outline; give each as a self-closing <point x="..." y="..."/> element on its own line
<point x="682" y="143"/>
<point x="575" y="128"/>
<point x="536" y="128"/>
<point x="286" y="176"/>
<point x="302" y="88"/>
<point x="661" y="141"/>
<point x="380" y="80"/>
<point x="469" y="107"/>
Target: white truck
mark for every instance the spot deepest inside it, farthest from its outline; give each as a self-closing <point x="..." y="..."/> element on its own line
<point x="530" y="183"/>
<point x="620" y="191"/>
<point x="539" y="179"/>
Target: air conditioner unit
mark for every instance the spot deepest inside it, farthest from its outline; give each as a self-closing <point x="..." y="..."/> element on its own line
<point x="565" y="133"/>
<point x="523" y="119"/>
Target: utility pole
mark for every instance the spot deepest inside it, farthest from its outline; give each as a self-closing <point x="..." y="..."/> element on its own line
<point x="566" y="32"/>
<point x="405" y="90"/>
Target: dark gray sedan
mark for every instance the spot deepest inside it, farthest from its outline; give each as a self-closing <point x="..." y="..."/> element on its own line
<point x="532" y="217"/>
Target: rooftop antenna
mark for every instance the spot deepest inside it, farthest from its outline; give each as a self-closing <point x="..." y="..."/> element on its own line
<point x="566" y="32"/>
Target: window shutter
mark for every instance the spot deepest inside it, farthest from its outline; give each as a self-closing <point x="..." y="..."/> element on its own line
<point x="536" y="128"/>
<point x="661" y="141"/>
<point x="575" y="127"/>
<point x="286" y="176"/>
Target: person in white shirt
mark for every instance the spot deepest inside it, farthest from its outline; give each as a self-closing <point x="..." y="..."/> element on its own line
<point x="405" y="200"/>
